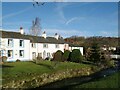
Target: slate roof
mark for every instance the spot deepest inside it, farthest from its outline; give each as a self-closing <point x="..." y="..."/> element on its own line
<point x="34" y="39"/>
<point x="74" y="45"/>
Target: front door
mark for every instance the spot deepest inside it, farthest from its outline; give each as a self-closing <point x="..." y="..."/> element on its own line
<point x="44" y="54"/>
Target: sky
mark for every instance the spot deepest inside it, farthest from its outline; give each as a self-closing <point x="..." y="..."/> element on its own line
<point x="65" y="18"/>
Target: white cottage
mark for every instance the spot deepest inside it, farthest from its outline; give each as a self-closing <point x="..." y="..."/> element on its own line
<point x="17" y="45"/>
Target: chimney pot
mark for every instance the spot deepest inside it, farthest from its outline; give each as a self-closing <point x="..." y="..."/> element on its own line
<point x="21" y="30"/>
<point x="44" y="34"/>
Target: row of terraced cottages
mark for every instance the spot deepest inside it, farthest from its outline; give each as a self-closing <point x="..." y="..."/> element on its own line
<point x="17" y="45"/>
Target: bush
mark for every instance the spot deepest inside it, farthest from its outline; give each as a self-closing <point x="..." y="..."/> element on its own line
<point x="17" y="60"/>
<point x="76" y="56"/>
<point x="58" y="56"/>
<point x="65" y="56"/>
<point x="47" y="58"/>
<point x="39" y="58"/>
<point x="110" y="63"/>
<point x="4" y="59"/>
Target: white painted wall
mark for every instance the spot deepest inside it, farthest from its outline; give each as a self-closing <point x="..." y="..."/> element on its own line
<point x="51" y="49"/>
<point x="28" y="49"/>
<point x="16" y="49"/>
<point x="80" y="48"/>
<point x="33" y="49"/>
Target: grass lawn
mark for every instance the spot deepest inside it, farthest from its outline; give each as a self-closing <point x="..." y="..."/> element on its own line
<point x="106" y="82"/>
<point x="24" y="70"/>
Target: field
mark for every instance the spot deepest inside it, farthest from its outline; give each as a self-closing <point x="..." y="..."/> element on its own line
<point x="106" y="82"/>
<point x="26" y="70"/>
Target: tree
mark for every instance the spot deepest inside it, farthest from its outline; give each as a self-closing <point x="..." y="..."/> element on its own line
<point x="36" y="27"/>
<point x="95" y="52"/>
<point x="65" y="56"/>
<point x="106" y="58"/>
<point x="76" y="56"/>
<point x="58" y="56"/>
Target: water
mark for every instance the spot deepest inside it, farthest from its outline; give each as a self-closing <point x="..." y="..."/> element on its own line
<point x="67" y="83"/>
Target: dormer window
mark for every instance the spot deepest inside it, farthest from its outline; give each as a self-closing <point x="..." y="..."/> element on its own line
<point x="21" y="43"/>
<point x="10" y="42"/>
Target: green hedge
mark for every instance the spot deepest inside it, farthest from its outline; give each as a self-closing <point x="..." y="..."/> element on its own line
<point x="58" y="56"/>
<point x="65" y="56"/>
<point x="76" y="56"/>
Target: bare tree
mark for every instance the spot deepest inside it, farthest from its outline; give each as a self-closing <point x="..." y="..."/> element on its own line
<point x="36" y="27"/>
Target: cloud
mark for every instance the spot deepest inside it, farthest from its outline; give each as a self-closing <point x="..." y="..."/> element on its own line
<point x="16" y="13"/>
<point x="65" y="33"/>
<point x="60" y="11"/>
<point x="73" y="19"/>
<point x="16" y="23"/>
<point x="108" y="33"/>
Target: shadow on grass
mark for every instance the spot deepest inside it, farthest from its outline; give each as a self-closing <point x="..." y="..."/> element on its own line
<point x="51" y="67"/>
<point x="6" y="66"/>
<point x="45" y="65"/>
<point x="89" y="63"/>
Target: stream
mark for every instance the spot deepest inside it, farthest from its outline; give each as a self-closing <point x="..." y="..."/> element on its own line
<point x="69" y="82"/>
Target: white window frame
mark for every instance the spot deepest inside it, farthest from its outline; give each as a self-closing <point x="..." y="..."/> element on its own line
<point x="22" y="43"/>
<point x="56" y="45"/>
<point x="48" y="54"/>
<point x="11" y="54"/>
<point x="33" y="45"/>
<point x="40" y="54"/>
<point x="10" y="42"/>
<point x="45" y="45"/>
<point x="21" y="51"/>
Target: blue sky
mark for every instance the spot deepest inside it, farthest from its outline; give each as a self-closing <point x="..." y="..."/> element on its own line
<point x="66" y="19"/>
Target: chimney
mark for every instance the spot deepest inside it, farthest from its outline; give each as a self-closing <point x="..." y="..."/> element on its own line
<point x="56" y="36"/>
<point x="44" y="34"/>
<point x="21" y="30"/>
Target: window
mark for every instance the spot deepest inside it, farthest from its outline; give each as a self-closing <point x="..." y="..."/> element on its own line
<point x="10" y="42"/>
<point x="21" y="43"/>
<point x="39" y="54"/>
<point x="33" y="45"/>
<point x="45" y="45"/>
<point x="0" y="53"/>
<point x="33" y="55"/>
<point x="56" y="45"/>
<point x="10" y="53"/>
<point x="0" y="42"/>
<point x="21" y="53"/>
<point x="48" y="54"/>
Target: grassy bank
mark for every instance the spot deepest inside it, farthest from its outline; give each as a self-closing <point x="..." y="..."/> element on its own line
<point x="106" y="82"/>
<point x="16" y="71"/>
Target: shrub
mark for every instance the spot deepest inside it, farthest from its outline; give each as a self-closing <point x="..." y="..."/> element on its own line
<point x="65" y="56"/>
<point x="110" y="63"/>
<point x="37" y="61"/>
<point x="47" y="58"/>
<point x="4" y="58"/>
<point x="17" y="60"/>
<point x="76" y="56"/>
<point x="39" y="58"/>
<point x="58" y="56"/>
